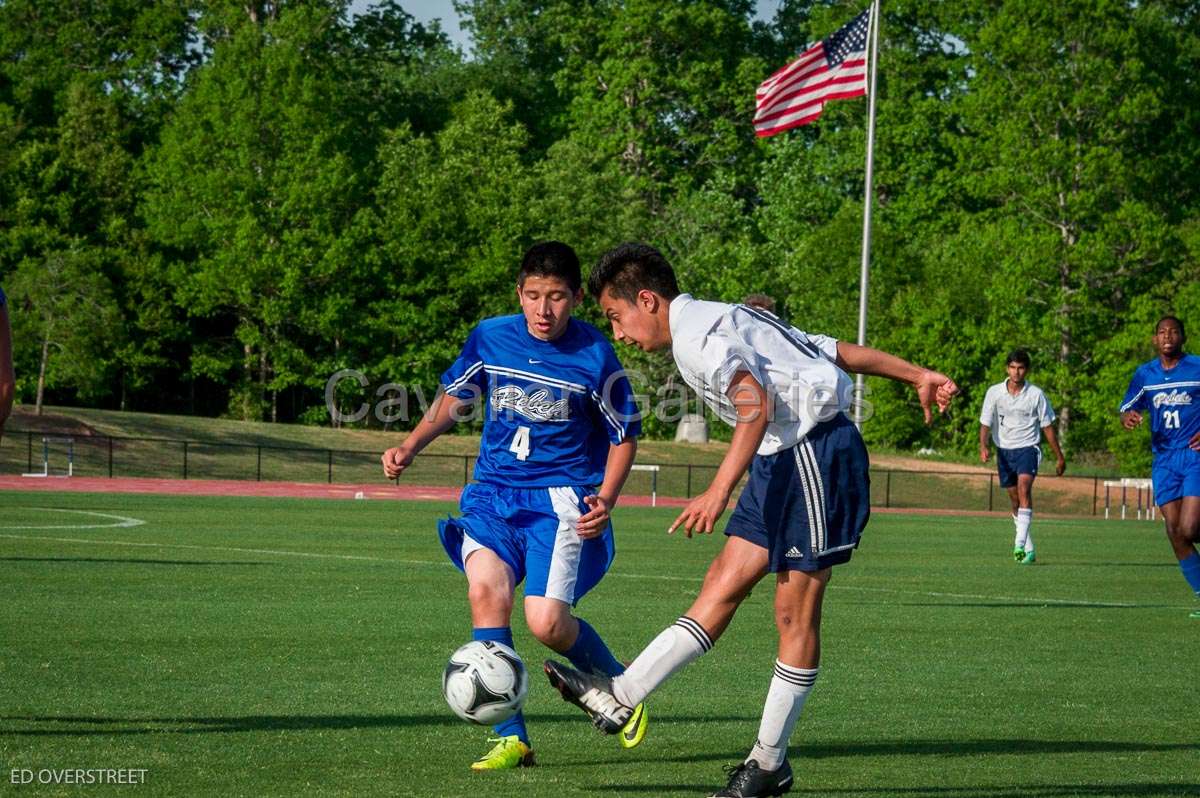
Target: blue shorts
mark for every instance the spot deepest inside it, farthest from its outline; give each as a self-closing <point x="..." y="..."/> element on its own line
<point x="1176" y="473"/>
<point x="807" y="505"/>
<point x="533" y="531"/>
<point x="1011" y="462"/>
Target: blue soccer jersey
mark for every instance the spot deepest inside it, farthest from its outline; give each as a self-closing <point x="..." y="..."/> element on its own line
<point x="3" y="298"/>
<point x="1171" y="398"/>
<point x="552" y="407"/>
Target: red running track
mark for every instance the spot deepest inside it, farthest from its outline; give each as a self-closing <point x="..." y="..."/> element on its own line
<point x="236" y="487"/>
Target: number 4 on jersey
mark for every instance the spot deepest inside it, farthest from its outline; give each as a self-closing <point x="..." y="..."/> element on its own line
<point x="520" y="443"/>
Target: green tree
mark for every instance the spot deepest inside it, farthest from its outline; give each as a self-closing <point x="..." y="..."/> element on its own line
<point x="253" y="187"/>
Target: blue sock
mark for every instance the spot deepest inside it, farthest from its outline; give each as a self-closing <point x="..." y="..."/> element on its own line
<point x="1191" y="571"/>
<point x="589" y="654"/>
<point x="515" y="724"/>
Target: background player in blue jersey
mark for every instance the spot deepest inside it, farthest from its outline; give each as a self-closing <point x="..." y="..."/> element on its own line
<point x="1168" y="390"/>
<point x="559" y="437"/>
<point x="806" y="500"/>
<point x="7" y="380"/>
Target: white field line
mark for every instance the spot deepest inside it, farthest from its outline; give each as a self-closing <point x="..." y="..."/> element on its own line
<point x="619" y="574"/>
<point x="121" y="520"/>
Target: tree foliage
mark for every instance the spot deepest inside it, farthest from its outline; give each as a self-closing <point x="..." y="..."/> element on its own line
<point x="244" y="198"/>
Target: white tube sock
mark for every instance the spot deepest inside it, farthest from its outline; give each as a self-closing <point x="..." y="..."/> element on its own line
<point x="679" y="644"/>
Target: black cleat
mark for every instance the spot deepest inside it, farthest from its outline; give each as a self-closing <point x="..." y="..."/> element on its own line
<point x="593" y="694"/>
<point x="748" y="780"/>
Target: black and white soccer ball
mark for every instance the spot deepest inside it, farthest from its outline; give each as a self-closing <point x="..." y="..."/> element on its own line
<point x="485" y="682"/>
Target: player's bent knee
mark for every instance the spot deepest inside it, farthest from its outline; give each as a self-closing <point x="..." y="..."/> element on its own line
<point x="490" y="596"/>
<point x="551" y="628"/>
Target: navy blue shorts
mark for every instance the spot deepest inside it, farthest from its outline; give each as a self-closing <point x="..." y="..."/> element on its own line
<point x="807" y="505"/>
<point x="1012" y="462"/>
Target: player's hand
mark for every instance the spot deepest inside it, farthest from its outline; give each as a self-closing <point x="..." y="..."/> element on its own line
<point x="1060" y="467"/>
<point x="934" y="389"/>
<point x="702" y="513"/>
<point x="983" y="455"/>
<point x="1130" y="419"/>
<point x="593" y="523"/>
<point x="395" y="460"/>
<point x="1193" y="444"/>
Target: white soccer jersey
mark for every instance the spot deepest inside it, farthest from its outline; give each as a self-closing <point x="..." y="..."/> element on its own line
<point x="1016" y="421"/>
<point x="713" y="341"/>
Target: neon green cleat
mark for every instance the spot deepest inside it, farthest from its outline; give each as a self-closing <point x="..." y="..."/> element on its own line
<point x="509" y="752"/>
<point x="634" y="730"/>
<point x="1194" y="615"/>
<point x="1030" y="558"/>
<point x="1018" y="554"/>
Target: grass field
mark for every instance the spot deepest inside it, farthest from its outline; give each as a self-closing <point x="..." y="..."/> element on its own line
<point x="290" y="647"/>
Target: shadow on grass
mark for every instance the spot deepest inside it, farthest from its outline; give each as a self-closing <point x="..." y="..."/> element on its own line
<point x="1016" y="604"/>
<point x="1057" y="605"/>
<point x="81" y="725"/>
<point x="974" y="791"/>
<point x="956" y="748"/>
<point x="108" y="560"/>
<point x="87" y="726"/>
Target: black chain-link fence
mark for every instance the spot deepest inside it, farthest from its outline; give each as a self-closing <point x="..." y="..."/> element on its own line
<point x="115" y="456"/>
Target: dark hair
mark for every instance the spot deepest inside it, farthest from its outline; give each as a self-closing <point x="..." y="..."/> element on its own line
<point x="1018" y="356"/>
<point x="551" y="259"/>
<point x="1176" y="319"/>
<point x="629" y="268"/>
<point x="761" y="301"/>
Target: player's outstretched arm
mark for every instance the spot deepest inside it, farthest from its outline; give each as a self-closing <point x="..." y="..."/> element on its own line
<point x="932" y="387"/>
<point x="441" y="416"/>
<point x="752" y="406"/>
<point x="616" y="471"/>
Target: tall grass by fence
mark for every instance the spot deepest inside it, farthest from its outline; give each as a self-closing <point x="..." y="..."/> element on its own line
<point x="23" y="451"/>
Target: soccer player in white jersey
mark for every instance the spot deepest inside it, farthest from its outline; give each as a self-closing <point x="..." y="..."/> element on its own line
<point x="559" y="437"/>
<point x="1167" y="389"/>
<point x="786" y="394"/>
<point x="1015" y="414"/>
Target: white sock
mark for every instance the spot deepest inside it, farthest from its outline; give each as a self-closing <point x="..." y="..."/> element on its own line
<point x="1024" y="520"/>
<point x="789" y="690"/>
<point x="679" y="644"/>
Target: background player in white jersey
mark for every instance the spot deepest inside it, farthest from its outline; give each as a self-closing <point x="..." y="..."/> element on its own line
<point x="786" y="393"/>
<point x="560" y="421"/>
<point x="1167" y="388"/>
<point x="1015" y="414"/>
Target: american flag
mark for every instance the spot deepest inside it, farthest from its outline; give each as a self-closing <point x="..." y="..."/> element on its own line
<point x="832" y="69"/>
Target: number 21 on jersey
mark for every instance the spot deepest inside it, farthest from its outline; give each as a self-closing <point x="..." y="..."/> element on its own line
<point x="1170" y="420"/>
<point x="520" y="443"/>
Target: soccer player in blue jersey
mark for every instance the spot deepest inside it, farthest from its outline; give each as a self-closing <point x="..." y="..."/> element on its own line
<point x="559" y="437"/>
<point x="786" y="394"/>
<point x="7" y="380"/>
<point x="1168" y="389"/>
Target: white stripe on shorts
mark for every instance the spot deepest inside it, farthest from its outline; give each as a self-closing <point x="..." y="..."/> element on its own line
<point x="564" y="560"/>
<point x="814" y="541"/>
<point x="809" y="455"/>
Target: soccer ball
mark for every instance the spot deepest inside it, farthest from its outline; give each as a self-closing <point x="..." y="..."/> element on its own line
<point x="485" y="682"/>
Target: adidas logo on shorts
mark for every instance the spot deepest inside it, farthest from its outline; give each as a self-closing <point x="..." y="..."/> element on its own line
<point x="794" y="553"/>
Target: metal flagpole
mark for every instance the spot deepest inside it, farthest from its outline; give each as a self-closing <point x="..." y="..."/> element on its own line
<point x="864" y="279"/>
